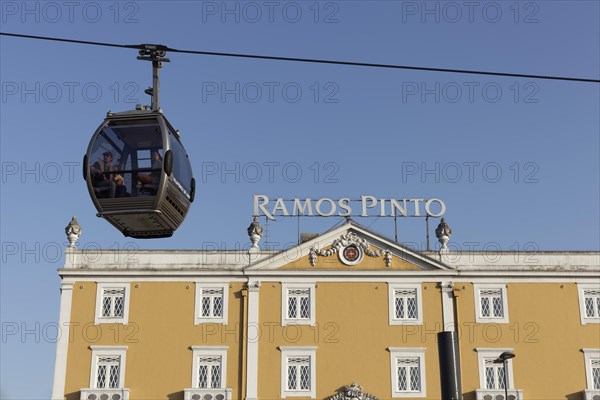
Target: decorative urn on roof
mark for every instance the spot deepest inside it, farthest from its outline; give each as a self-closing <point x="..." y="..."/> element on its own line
<point x="443" y="233"/>
<point x="255" y="232"/>
<point x="73" y="231"/>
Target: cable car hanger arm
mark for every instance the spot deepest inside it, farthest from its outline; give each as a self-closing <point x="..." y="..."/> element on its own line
<point x="161" y="48"/>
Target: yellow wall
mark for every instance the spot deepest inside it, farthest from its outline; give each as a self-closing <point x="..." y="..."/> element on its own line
<point x="351" y="335"/>
<point x="159" y="359"/>
<point x="545" y="333"/>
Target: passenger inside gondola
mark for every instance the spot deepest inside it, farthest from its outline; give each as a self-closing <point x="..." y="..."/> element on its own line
<point x="106" y="180"/>
<point x="126" y="160"/>
<point x="102" y="177"/>
<point x="149" y="182"/>
<point x="121" y="190"/>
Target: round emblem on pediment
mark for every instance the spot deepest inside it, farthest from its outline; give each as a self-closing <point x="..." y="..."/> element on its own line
<point x="351" y="255"/>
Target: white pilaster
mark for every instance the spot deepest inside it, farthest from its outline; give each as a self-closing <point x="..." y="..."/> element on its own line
<point x="62" y="344"/>
<point x="448" y="305"/>
<point x="252" y="336"/>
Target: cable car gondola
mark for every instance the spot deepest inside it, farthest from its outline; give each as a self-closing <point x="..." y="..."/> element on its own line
<point x="137" y="171"/>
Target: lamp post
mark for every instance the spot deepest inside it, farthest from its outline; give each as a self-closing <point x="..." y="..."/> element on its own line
<point x="503" y="359"/>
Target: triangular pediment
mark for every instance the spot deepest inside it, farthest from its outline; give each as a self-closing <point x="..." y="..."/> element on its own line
<point x="349" y="247"/>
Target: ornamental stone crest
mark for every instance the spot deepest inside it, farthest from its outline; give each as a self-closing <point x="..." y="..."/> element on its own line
<point x="347" y="239"/>
<point x="353" y="392"/>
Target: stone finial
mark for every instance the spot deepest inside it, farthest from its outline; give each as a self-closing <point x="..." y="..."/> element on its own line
<point x="388" y="258"/>
<point x="73" y="231"/>
<point x="312" y="256"/>
<point x="255" y="232"/>
<point x="443" y="233"/>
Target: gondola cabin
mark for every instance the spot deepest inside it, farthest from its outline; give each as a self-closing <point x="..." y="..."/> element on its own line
<point x="138" y="174"/>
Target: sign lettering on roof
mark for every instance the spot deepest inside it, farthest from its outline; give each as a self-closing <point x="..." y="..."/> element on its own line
<point x="367" y="206"/>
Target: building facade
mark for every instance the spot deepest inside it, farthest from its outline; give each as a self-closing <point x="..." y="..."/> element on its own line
<point x="348" y="313"/>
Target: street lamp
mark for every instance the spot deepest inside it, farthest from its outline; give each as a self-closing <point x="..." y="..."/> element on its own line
<point x="503" y="359"/>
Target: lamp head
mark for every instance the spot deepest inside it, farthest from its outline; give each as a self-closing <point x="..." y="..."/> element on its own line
<point x="507" y="355"/>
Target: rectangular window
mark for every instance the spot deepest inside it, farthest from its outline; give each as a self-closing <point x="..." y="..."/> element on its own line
<point x="491" y="303"/>
<point x="595" y="369"/>
<point x="108" y="367"/>
<point x="589" y="303"/>
<point x="592" y="303"/>
<point x="211" y="303"/>
<point x="491" y="373"/>
<point x="108" y="370"/>
<point x="494" y="374"/>
<point x="408" y="372"/>
<point x="298" y="304"/>
<point x="298" y="371"/>
<point x="409" y="376"/>
<point x="112" y="302"/>
<point x="405" y="304"/>
<point x="209" y="367"/>
<point x="209" y="372"/>
<point x="592" y="372"/>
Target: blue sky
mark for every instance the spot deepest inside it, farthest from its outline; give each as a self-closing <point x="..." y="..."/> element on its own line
<point x="515" y="160"/>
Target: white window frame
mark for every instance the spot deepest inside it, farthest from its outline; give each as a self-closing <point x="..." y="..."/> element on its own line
<point x="392" y="304"/>
<point x="198" y="318"/>
<point x="589" y="355"/>
<point x="211" y="351"/>
<point x="497" y="368"/>
<point x="299" y="351"/>
<point x="108" y="351"/>
<point x="478" y="287"/>
<point x="402" y="353"/>
<point x="581" y="288"/>
<point x="100" y="287"/>
<point x="488" y="353"/>
<point x="285" y="287"/>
